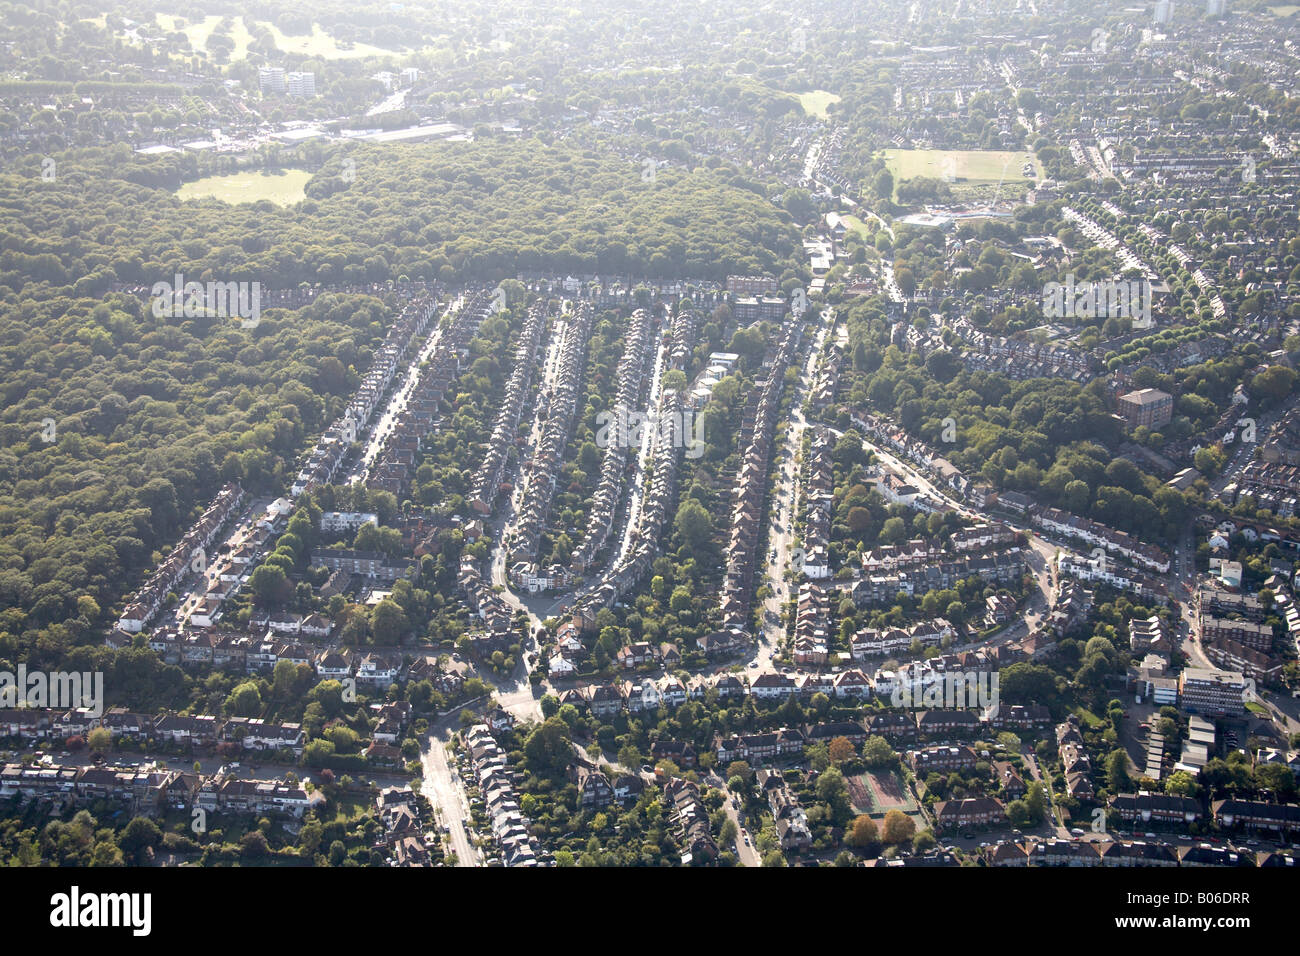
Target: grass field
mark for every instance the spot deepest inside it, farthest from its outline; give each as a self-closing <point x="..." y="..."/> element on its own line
<point x="283" y="189"/>
<point x="318" y="44"/>
<point x="321" y="44"/>
<point x="1284" y="11"/>
<point x="971" y="165"/>
<point x="815" y="103"/>
<point x="861" y="228"/>
<point x="199" y="32"/>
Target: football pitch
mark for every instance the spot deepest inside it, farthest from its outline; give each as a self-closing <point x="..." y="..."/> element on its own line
<point x="970" y="165"/>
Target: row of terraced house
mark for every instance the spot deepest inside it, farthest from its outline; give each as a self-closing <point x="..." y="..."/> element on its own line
<point x="628" y="377"/>
<point x="145" y="604"/>
<point x="420" y="416"/>
<point x="548" y="458"/>
<point x="323" y="461"/>
<point x="491" y="473"/>
<point x="750" y="489"/>
<point x="496" y="783"/>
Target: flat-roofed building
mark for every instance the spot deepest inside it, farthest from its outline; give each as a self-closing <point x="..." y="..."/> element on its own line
<point x="1146" y="406"/>
<point x="1214" y="692"/>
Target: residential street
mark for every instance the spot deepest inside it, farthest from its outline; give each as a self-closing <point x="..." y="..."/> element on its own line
<point x="443" y="787"/>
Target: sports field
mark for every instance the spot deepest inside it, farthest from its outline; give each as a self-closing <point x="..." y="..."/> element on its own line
<point x="970" y="165"/>
<point x="875" y="794"/>
<point x="283" y="189"/>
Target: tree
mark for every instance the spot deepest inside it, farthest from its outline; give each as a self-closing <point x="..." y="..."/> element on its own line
<point x="1036" y="801"/>
<point x="741" y="769"/>
<point x="858" y="520"/>
<point x="1276" y="777"/>
<point x="106" y="854"/>
<point x="629" y="756"/>
<point x="798" y="203"/>
<point x="388" y="621"/>
<point x="895" y="529"/>
<point x="253" y="845"/>
<point x="693" y="525"/>
<point x="548" y="748"/>
<point x="1180" y="783"/>
<point x="1018" y="813"/>
<point x="1273" y="384"/>
<point x="100" y="739"/>
<point x="245" y="700"/>
<point x="882" y="185"/>
<point x="1117" y="778"/>
<point x="270" y="584"/>
<point x="139" y="836"/>
<point x="899" y="828"/>
<point x="1026" y="684"/>
<point x="284" y="677"/>
<point x="878" y="754"/>
<point x="863" y="833"/>
<point x="942" y="365"/>
<point x="831" y="787"/>
<point x="841" y="749"/>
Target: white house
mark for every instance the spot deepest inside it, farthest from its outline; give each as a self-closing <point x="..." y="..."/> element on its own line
<point x="560" y="666"/>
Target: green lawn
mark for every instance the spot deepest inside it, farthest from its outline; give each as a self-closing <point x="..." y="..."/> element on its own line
<point x="860" y="227"/>
<point x="970" y="165"/>
<point x="1091" y="720"/>
<point x="815" y="103"/>
<point x="283" y="189"/>
<point x="321" y="44"/>
<point x="318" y="44"/>
<point x="346" y="807"/>
<point x="198" y="32"/>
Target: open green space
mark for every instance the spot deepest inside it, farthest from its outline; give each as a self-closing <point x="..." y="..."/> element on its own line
<point x="816" y="102"/>
<point x="970" y="165"/>
<point x="317" y="44"/>
<point x="283" y="189"/>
